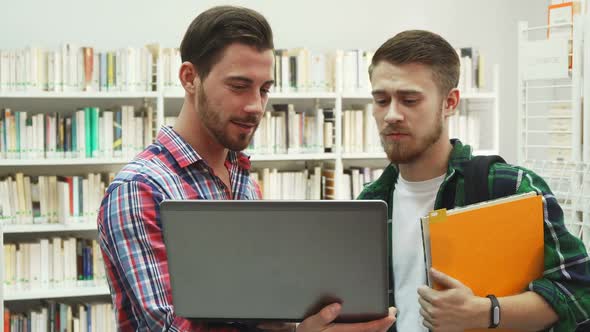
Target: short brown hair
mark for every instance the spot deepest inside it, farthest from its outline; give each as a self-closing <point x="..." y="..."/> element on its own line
<point x="214" y="29"/>
<point x="424" y="47"/>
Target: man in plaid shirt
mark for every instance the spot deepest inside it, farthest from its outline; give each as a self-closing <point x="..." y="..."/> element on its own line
<point x="227" y="71"/>
<point x="414" y="76"/>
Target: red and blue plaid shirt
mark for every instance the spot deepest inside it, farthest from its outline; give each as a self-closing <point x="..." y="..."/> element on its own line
<point x="130" y="229"/>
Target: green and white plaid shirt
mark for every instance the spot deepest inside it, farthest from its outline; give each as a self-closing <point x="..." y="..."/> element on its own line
<point x="565" y="284"/>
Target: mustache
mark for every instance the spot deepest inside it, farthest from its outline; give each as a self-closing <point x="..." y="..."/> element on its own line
<point x="394" y="130"/>
<point x="252" y="120"/>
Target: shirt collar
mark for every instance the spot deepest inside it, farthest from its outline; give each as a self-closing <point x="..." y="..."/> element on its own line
<point x="186" y="155"/>
<point x="459" y="155"/>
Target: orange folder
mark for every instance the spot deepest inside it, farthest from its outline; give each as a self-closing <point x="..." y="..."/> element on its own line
<point x="494" y="247"/>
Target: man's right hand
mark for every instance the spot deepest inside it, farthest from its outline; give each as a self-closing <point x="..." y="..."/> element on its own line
<point x="322" y="321"/>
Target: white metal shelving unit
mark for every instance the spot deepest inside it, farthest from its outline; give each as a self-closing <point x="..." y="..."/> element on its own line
<point x="570" y="183"/>
<point x="539" y="122"/>
<point x="554" y="121"/>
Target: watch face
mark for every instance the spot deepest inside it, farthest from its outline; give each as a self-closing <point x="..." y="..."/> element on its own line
<point x="496" y="315"/>
<point x="495" y="312"/>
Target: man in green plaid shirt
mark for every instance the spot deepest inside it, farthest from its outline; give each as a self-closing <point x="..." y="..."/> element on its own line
<point x="414" y="76"/>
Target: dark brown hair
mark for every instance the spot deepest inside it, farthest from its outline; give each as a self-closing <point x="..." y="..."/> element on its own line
<point x="216" y="28"/>
<point x="424" y="47"/>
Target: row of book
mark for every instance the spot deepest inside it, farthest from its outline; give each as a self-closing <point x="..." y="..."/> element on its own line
<point x="466" y="124"/>
<point x="472" y="74"/>
<point x="88" y="132"/>
<point x="56" y="317"/>
<point x="313" y="184"/>
<point x="307" y="184"/>
<point x="298" y="70"/>
<point x="53" y="263"/>
<point x="171" y="62"/>
<point x="359" y="131"/>
<point x="51" y="199"/>
<point x="76" y="68"/>
<point x="302" y="70"/>
<point x="122" y="133"/>
<point x="354" y="180"/>
<point x="286" y="130"/>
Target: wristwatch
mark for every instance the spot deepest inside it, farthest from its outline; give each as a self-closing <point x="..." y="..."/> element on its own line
<point x="494" y="312"/>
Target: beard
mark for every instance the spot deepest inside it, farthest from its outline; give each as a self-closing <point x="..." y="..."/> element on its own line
<point x="408" y="152"/>
<point x="217" y="128"/>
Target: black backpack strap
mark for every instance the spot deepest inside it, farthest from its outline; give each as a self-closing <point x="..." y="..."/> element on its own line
<point x="448" y="198"/>
<point x="476" y="178"/>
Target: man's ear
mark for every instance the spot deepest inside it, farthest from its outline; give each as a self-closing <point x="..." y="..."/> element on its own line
<point x="189" y="78"/>
<point x="451" y="102"/>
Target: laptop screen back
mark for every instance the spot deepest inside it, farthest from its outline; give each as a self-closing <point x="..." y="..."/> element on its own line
<point x="276" y="260"/>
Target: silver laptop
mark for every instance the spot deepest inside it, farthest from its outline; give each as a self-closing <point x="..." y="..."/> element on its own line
<point x="276" y="260"/>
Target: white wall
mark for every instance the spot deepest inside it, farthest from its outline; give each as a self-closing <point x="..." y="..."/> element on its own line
<point x="489" y="25"/>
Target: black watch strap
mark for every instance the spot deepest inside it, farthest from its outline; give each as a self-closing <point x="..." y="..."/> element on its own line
<point x="494" y="312"/>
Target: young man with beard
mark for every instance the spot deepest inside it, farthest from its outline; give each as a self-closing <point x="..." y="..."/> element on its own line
<point x="414" y="76"/>
<point x="227" y="69"/>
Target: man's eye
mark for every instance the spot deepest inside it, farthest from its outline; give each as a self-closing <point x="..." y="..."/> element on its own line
<point x="410" y="101"/>
<point x="238" y="87"/>
<point x="264" y="91"/>
<point x="381" y="101"/>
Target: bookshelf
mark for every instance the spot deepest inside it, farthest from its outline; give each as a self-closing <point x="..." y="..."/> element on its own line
<point x="364" y="155"/>
<point x="293" y="157"/>
<point x="166" y="101"/>
<point x="66" y="292"/>
<point x="56" y="102"/>
<point x="62" y="102"/>
<point x="62" y="162"/>
<point x="79" y="95"/>
<point x="49" y="228"/>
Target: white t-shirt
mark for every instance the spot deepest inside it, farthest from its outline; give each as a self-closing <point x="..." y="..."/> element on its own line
<point x="411" y="201"/>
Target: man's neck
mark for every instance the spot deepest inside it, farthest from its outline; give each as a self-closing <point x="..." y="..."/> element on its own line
<point x="190" y="127"/>
<point x="432" y="163"/>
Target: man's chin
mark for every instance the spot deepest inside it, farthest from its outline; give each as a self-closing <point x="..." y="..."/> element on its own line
<point x="238" y="146"/>
<point x="404" y="157"/>
<point x="237" y="143"/>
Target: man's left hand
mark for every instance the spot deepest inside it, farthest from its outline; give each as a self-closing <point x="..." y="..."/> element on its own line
<point x="453" y="309"/>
